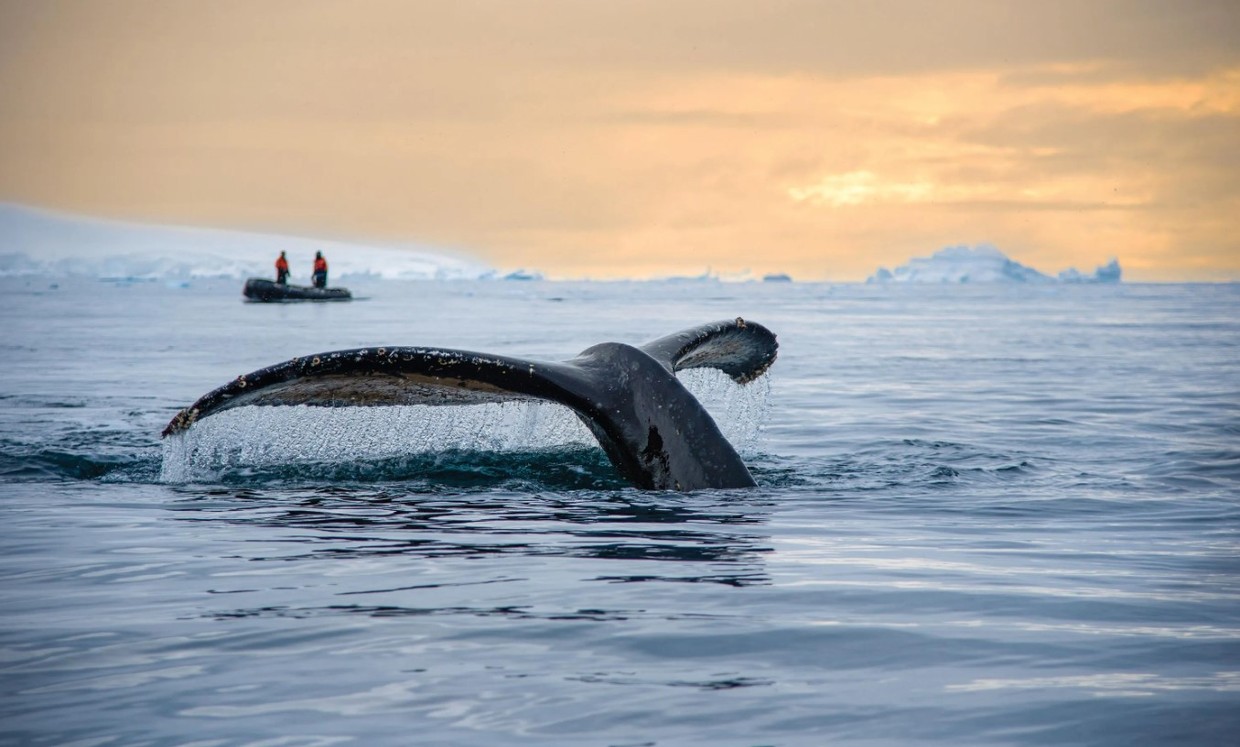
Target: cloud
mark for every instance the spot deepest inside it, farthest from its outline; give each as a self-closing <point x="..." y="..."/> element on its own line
<point x="860" y="187"/>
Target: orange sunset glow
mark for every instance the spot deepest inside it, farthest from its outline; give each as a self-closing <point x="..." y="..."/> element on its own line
<point x="638" y="139"/>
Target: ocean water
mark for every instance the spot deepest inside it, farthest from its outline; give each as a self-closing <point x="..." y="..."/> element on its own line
<point x="985" y="516"/>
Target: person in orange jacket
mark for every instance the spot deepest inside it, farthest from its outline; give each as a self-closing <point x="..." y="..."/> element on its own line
<point x="320" y="270"/>
<point x="282" y="269"/>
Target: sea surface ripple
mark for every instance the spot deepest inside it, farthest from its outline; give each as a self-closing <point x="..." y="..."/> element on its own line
<point x="991" y="516"/>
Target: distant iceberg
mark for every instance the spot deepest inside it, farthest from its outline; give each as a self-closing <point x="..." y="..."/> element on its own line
<point x="37" y="242"/>
<point x="705" y="277"/>
<point x="983" y="264"/>
<point x="1108" y="273"/>
<point x="519" y="275"/>
<point x="777" y="277"/>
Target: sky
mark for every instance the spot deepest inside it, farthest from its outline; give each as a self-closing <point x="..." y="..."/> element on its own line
<point x="645" y="138"/>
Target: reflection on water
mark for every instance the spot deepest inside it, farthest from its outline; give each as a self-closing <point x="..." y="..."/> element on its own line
<point x="444" y="471"/>
<point x="1118" y="684"/>
<point x="625" y="536"/>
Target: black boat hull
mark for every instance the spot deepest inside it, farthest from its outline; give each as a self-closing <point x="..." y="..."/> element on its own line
<point x="267" y="291"/>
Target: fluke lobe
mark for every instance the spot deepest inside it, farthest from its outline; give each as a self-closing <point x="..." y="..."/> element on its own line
<point x="654" y="431"/>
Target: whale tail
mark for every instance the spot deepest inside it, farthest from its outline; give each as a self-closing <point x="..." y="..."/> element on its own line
<point x="652" y="429"/>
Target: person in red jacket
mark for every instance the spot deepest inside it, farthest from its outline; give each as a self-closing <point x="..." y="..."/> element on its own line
<point x="282" y="269"/>
<point x="320" y="270"/>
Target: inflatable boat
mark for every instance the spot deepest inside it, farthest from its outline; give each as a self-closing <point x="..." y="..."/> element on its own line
<point x="261" y="289"/>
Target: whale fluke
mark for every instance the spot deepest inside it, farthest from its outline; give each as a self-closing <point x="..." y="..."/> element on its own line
<point x="652" y="429"/>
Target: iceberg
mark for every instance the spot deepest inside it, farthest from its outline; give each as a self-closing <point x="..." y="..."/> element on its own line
<point x="1108" y="273"/>
<point x="41" y="243"/>
<point x="521" y="275"/>
<point x="983" y="264"/>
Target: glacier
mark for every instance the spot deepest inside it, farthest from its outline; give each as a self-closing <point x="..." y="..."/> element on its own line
<point x="36" y="242"/>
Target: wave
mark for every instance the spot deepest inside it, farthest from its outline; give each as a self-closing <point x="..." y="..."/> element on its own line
<point x="55" y="463"/>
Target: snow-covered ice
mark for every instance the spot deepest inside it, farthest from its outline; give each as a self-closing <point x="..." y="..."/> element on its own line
<point x="37" y="242"/>
<point x="984" y="264"/>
